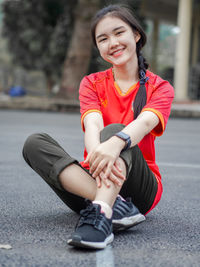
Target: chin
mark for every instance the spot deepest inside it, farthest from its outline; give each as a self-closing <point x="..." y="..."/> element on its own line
<point x="119" y="63"/>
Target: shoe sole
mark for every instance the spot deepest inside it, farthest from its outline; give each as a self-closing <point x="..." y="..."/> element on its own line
<point x="91" y="245"/>
<point x="127" y="222"/>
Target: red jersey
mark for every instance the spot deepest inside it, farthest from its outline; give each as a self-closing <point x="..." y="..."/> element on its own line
<point x="100" y="93"/>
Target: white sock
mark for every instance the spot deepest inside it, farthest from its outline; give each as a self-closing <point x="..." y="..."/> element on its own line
<point x="104" y="207"/>
<point x="121" y="198"/>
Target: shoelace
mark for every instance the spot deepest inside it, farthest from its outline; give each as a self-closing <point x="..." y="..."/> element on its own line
<point x="89" y="215"/>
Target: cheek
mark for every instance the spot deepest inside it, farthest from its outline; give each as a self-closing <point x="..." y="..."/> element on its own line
<point x="102" y="50"/>
<point x="132" y="44"/>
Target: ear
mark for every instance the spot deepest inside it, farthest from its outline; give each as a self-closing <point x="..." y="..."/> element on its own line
<point x="137" y="36"/>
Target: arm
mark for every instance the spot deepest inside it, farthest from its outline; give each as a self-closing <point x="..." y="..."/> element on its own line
<point x="140" y="127"/>
<point x="93" y="124"/>
<point x="106" y="153"/>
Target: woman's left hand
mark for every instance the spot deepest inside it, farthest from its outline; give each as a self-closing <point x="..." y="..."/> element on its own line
<point x="104" y="156"/>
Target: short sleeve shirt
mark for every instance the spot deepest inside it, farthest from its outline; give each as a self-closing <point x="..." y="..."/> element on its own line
<point x="99" y="93"/>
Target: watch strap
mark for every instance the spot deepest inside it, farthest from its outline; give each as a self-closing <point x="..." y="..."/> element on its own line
<point x="126" y="138"/>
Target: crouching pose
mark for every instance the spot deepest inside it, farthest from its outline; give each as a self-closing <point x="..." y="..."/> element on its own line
<point x="123" y="109"/>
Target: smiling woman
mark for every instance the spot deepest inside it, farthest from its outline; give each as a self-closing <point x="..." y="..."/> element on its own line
<point x="117" y="43"/>
<point x="123" y="109"/>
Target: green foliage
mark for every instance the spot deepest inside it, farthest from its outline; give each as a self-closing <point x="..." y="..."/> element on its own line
<point x="38" y="33"/>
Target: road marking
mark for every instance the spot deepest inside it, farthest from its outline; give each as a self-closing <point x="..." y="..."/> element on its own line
<point x="179" y="165"/>
<point x="105" y="257"/>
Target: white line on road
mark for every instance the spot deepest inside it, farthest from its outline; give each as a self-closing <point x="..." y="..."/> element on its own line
<point x="105" y="257"/>
<point x="179" y="165"/>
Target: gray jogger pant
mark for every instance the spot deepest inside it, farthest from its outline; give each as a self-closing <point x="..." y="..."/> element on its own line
<point x="45" y="156"/>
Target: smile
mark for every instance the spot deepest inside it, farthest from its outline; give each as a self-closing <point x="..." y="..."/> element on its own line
<point x="117" y="52"/>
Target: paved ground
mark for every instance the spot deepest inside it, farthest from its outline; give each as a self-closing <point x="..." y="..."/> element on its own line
<point x="37" y="224"/>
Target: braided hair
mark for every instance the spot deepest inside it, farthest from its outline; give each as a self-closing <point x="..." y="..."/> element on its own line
<point x="127" y="16"/>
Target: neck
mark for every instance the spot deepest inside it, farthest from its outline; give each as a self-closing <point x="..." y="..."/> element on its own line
<point x="127" y="72"/>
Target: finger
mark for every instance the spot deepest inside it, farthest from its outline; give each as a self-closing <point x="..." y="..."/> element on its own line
<point x="108" y="169"/>
<point x="118" y="165"/>
<point x="99" y="168"/>
<point x="98" y="181"/>
<point x="115" y="179"/>
<point x="118" y="173"/>
<point x="88" y="158"/>
<point x="94" y="164"/>
<point x="105" y="180"/>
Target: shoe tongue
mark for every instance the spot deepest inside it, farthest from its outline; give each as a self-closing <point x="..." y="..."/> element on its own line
<point x="97" y="207"/>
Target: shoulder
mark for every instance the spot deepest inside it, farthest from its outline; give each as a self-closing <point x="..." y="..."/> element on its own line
<point x="98" y="76"/>
<point x="157" y="83"/>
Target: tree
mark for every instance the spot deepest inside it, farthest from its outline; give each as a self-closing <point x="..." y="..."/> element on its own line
<point x="38" y="34"/>
<point x="79" y="52"/>
<point x="52" y="36"/>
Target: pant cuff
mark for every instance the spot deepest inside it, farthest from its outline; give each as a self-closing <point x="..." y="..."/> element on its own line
<point x="57" y="168"/>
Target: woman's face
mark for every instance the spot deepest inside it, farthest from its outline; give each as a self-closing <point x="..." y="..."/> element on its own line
<point x="116" y="40"/>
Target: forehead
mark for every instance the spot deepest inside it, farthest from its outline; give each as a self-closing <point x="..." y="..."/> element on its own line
<point x="108" y="24"/>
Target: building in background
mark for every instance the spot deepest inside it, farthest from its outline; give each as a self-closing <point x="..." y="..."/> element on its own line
<point x="182" y="46"/>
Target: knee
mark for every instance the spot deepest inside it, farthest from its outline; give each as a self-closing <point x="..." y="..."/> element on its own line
<point x="110" y="130"/>
<point x="31" y="144"/>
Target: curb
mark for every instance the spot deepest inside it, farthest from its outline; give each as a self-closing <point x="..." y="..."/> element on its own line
<point x="186" y="110"/>
<point x="39" y="104"/>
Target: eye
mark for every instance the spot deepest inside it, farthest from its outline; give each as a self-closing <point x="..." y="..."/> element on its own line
<point x="119" y="32"/>
<point x="103" y="39"/>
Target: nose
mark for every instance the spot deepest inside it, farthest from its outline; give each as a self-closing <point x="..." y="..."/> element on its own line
<point x="113" y="41"/>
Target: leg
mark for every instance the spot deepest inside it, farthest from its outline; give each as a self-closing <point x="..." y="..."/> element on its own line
<point x="95" y="229"/>
<point x="48" y="159"/>
<point x="105" y="194"/>
<point x="141" y="184"/>
<point x="76" y="185"/>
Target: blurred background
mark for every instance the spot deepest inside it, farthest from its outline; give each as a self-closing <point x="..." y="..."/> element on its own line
<point x="46" y="49"/>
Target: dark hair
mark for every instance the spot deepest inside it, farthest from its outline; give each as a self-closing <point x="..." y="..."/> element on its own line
<point x="127" y="16"/>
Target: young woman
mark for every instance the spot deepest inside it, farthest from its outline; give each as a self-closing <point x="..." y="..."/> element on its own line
<point x="123" y="109"/>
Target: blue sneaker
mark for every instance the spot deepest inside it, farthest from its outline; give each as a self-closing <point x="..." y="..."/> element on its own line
<point x="93" y="230"/>
<point x="125" y="215"/>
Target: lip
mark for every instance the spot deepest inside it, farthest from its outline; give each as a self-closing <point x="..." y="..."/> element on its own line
<point x="118" y="52"/>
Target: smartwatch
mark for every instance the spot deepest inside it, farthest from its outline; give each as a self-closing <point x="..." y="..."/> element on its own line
<point x="126" y="138"/>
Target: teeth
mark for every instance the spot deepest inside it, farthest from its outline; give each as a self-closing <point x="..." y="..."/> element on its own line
<point x="115" y="52"/>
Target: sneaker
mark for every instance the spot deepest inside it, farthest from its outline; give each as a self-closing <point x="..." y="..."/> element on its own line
<point x="125" y="214"/>
<point x="93" y="230"/>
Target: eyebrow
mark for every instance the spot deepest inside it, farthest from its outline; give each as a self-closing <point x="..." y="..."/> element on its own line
<point x="115" y="29"/>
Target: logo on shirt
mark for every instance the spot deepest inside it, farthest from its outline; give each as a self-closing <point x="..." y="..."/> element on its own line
<point x="104" y="102"/>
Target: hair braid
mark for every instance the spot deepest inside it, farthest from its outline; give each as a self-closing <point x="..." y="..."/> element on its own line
<point x="141" y="97"/>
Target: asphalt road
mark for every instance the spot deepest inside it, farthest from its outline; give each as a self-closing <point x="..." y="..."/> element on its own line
<point x="37" y="224"/>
